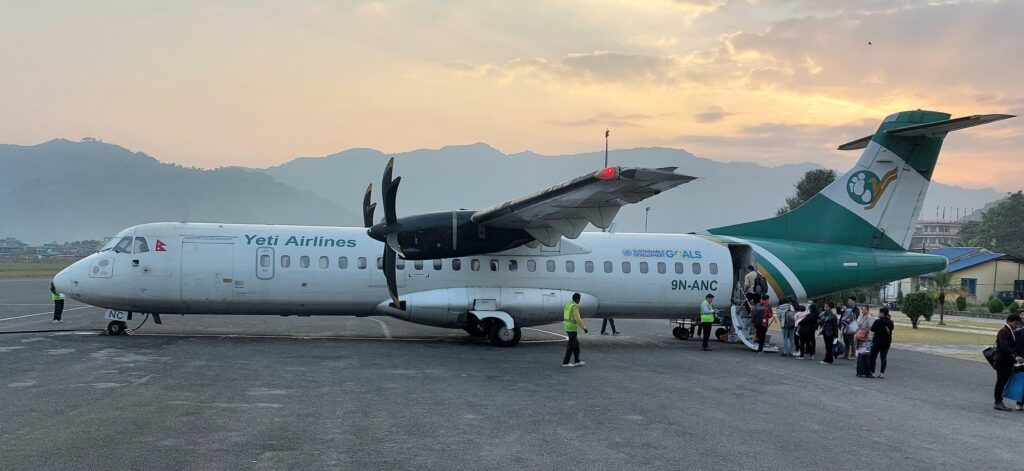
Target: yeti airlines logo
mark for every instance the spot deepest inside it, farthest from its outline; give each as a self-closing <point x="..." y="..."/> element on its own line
<point x="864" y="187"/>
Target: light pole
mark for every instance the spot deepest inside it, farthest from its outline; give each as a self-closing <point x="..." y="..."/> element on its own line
<point x="647" y="212"/>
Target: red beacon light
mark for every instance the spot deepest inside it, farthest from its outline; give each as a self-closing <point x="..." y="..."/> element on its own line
<point x="608" y="173"/>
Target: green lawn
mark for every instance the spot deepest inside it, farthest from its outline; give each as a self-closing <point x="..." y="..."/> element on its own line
<point x="22" y="267"/>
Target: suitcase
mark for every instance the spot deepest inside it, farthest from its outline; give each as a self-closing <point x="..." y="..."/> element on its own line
<point x="863" y="364"/>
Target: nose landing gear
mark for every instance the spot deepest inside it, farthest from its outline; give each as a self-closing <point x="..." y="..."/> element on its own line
<point x="117" y="328"/>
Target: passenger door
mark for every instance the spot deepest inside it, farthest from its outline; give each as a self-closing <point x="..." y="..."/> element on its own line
<point x="207" y="272"/>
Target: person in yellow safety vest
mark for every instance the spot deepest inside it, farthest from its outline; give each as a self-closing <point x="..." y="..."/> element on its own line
<point x="707" y="317"/>
<point x="573" y="321"/>
<point x="58" y="304"/>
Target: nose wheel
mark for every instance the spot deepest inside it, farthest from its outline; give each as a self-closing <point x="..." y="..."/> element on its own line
<point x="117" y="328"/>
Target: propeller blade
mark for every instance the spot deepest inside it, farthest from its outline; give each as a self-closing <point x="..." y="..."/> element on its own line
<point x="390" y="276"/>
<point x="390" y="218"/>
<point x="368" y="207"/>
<point x="394" y="245"/>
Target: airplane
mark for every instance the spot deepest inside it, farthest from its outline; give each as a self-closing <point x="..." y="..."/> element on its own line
<point x="494" y="271"/>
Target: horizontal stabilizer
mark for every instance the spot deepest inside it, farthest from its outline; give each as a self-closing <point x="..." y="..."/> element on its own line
<point x="938" y="128"/>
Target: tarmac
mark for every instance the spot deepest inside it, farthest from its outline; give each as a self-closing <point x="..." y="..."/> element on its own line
<point x="248" y="392"/>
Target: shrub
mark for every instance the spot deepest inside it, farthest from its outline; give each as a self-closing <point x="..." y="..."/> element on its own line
<point x="961" y="303"/>
<point x="1013" y="307"/>
<point x="995" y="306"/>
<point x="918" y="305"/>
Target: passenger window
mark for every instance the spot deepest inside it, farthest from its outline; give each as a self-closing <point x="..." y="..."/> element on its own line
<point x="265" y="261"/>
<point x="713" y="268"/>
<point x="304" y="261"/>
<point x="551" y="265"/>
<point x="679" y="268"/>
<point x="626" y="268"/>
<point x="437" y="264"/>
<point x="456" y="264"/>
<point x="474" y="264"/>
<point x="661" y="268"/>
<point x="399" y="263"/>
<point x="607" y="267"/>
<point x="570" y="266"/>
<point x="125" y="246"/>
<point x="418" y="264"/>
<point x="324" y="262"/>
<point x="531" y="266"/>
<point x="380" y="263"/>
<point x="696" y="268"/>
<point x="588" y="266"/>
<point x="494" y="265"/>
<point x="643" y="267"/>
<point x="342" y="262"/>
<point x="286" y="261"/>
<point x="513" y="265"/>
<point x="361" y="263"/>
<point x="140" y="245"/>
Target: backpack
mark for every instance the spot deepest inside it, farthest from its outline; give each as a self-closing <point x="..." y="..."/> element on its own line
<point x="760" y="284"/>
<point x="757" y="317"/>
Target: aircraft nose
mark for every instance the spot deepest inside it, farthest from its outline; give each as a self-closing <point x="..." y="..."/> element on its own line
<point x="65" y="281"/>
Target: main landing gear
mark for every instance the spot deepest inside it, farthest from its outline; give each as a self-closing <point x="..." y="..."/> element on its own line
<point x="501" y="336"/>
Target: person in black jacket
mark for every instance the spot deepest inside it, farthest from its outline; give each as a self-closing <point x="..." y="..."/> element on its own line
<point x="1005" y="356"/>
<point x="829" y="331"/>
<point x="882" y="339"/>
<point x="806" y="329"/>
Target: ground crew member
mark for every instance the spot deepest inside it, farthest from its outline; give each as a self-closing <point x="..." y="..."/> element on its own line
<point x="707" y="317"/>
<point x="572" y="321"/>
<point x="58" y="303"/>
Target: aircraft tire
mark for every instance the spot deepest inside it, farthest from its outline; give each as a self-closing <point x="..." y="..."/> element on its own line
<point x="116" y="328"/>
<point x="503" y="337"/>
<point x="681" y="333"/>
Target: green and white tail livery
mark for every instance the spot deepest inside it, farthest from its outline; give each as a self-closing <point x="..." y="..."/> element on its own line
<point x="855" y="232"/>
<point x="876" y="203"/>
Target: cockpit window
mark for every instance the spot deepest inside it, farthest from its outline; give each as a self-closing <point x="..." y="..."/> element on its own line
<point x="124" y="245"/>
<point x="141" y="246"/>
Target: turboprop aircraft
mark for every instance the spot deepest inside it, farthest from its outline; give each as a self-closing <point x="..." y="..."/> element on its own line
<point x="516" y="264"/>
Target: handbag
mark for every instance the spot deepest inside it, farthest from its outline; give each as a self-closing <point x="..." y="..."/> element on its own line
<point x="838" y="348"/>
<point x="990" y="355"/>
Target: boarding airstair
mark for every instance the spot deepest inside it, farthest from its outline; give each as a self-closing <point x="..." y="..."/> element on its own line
<point x="743" y="332"/>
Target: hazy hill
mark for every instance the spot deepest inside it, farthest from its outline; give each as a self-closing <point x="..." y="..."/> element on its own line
<point x="64" y="190"/>
<point x="476" y="176"/>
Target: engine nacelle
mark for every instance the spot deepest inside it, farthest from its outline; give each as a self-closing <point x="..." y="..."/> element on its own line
<point x="449" y="234"/>
<point x="451" y="307"/>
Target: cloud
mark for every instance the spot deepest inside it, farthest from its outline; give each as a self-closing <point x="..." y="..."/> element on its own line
<point x="601" y="67"/>
<point x="609" y="120"/>
<point x="713" y="115"/>
<point x="776" y="143"/>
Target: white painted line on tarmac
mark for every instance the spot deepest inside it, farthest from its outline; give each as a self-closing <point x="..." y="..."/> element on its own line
<point x="41" y="313"/>
<point x="561" y="337"/>
<point x="383" y="326"/>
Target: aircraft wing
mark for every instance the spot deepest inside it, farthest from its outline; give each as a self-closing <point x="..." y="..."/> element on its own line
<point x="566" y="209"/>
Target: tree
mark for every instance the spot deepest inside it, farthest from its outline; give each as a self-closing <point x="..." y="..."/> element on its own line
<point x="999" y="228"/>
<point x="961" y="303"/>
<point x="918" y="305"/>
<point x="995" y="306"/>
<point x="943" y="281"/>
<point x="809" y="185"/>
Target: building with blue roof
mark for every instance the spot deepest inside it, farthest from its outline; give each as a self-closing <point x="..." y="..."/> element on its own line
<point x="982" y="272"/>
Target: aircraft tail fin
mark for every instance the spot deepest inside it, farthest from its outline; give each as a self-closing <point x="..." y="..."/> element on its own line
<point x="877" y="202"/>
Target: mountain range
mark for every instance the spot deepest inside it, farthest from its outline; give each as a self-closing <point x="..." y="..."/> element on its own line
<point x="66" y="190"/>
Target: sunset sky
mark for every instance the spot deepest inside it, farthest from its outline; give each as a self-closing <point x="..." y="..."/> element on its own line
<point x="257" y="83"/>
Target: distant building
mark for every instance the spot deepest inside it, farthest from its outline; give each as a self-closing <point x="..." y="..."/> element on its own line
<point x="10" y="246"/>
<point x="981" y="272"/>
<point x="935" y="234"/>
